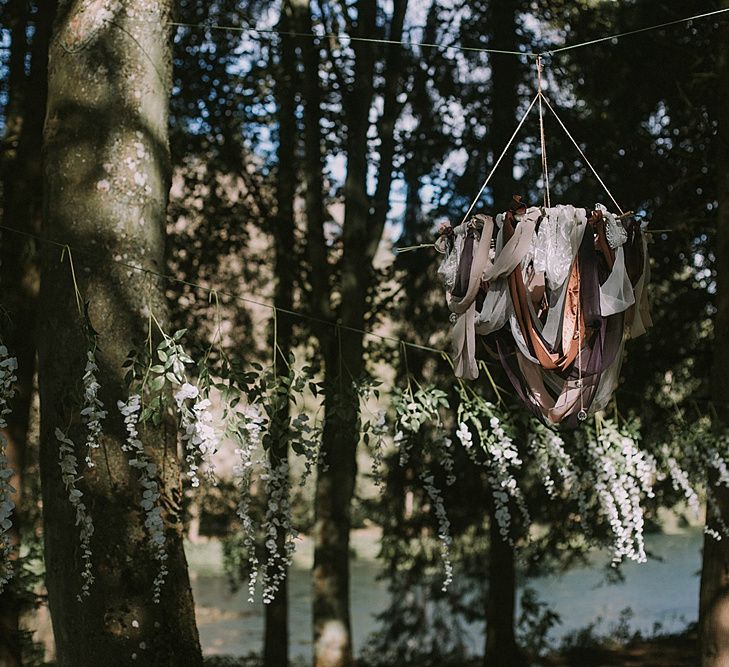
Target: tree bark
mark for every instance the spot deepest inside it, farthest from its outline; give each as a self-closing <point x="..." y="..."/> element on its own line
<point x="316" y="247"/>
<point x="276" y="636"/>
<point x="715" y="566"/>
<point x="16" y="22"/>
<point x="341" y="347"/>
<point x="343" y="363"/>
<point x="501" y="648"/>
<point x="505" y="77"/>
<point x="19" y="279"/>
<point x="333" y="499"/>
<point x="391" y="109"/>
<point x="107" y="177"/>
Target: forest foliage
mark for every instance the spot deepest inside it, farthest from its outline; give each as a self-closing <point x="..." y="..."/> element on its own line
<point x="288" y="332"/>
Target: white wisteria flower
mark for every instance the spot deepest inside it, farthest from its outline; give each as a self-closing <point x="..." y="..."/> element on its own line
<point x="444" y="526"/>
<point x="186" y="391"/>
<point x="8" y="379"/>
<point x="248" y="430"/>
<point x="548" y="449"/>
<point x="277" y="527"/>
<point x="464" y="435"/>
<point x="621" y="475"/>
<point x="376" y="431"/>
<point x="198" y="433"/>
<point x="69" y="474"/>
<point x="501" y="463"/>
<point x="92" y="412"/>
<point x="681" y="481"/>
<point x="150" y="503"/>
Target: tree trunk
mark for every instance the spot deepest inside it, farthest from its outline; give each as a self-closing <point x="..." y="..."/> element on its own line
<point x="16" y="22"/>
<point x="334" y="492"/>
<point x="107" y="176"/>
<point x="19" y="280"/>
<point x="715" y="567"/>
<point x="10" y="601"/>
<point x="505" y="77"/>
<point x="316" y="247"/>
<point x="276" y="636"/>
<point x="501" y="648"/>
<point x="342" y="350"/>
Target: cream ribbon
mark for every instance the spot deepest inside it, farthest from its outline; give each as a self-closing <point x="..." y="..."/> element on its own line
<point x="483" y="269"/>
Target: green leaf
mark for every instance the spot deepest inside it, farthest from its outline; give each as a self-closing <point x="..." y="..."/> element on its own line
<point x="157" y="383"/>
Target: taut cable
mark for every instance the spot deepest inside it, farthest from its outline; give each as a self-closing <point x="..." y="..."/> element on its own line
<point x="545" y="168"/>
<point x="501" y="157"/>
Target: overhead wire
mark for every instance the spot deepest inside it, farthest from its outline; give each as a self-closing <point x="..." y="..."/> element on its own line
<point x="637" y="31"/>
<point x="433" y="45"/>
<point x="351" y="38"/>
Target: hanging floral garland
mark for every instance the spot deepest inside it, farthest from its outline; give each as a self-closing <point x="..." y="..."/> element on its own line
<point x="602" y="467"/>
<point x="8" y="379"/>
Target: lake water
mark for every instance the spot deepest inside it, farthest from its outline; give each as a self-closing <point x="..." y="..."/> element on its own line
<point x="661" y="592"/>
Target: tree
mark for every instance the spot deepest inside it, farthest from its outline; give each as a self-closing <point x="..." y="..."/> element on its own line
<point x="107" y="176"/>
<point x="22" y="205"/>
<point x="342" y="346"/>
<point x="715" y="564"/>
<point x="276" y="637"/>
<point x="501" y="648"/>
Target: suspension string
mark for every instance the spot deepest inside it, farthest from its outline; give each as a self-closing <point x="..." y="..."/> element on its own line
<point x="501" y="157"/>
<point x="581" y="415"/>
<point x="582" y="153"/>
<point x="545" y="168"/>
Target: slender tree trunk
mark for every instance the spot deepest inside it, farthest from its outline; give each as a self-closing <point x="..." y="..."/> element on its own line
<point x="715" y="568"/>
<point x="501" y="648"/>
<point x="505" y="77"/>
<point x="16" y="22"/>
<point x="333" y="500"/>
<point x="342" y="348"/>
<point x="317" y="252"/>
<point x="10" y="599"/>
<point x="276" y="640"/>
<point x="19" y="281"/>
<point x="343" y="364"/>
<point x="107" y="177"/>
